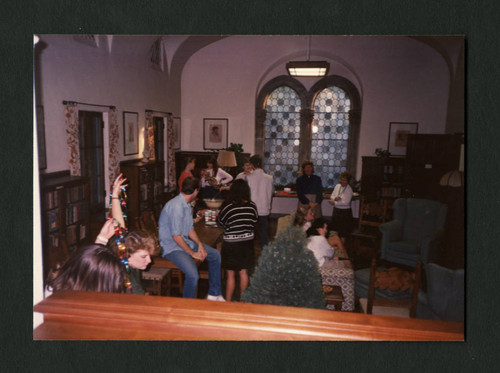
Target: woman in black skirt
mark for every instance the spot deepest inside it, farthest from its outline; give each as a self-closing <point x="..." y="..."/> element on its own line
<point x="238" y="216"/>
<point x="341" y="201"/>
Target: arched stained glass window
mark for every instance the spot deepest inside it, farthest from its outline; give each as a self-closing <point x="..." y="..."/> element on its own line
<point x="282" y="135"/>
<point x="330" y="134"/>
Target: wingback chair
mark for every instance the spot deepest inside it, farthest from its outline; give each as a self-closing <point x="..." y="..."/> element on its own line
<point x="415" y="233"/>
<point x="444" y="298"/>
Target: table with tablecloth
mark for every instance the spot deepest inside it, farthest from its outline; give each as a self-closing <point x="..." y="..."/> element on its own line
<point x="340" y="273"/>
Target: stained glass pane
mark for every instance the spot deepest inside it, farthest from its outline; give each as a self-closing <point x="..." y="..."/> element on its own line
<point x="330" y="134"/>
<point x="282" y="135"/>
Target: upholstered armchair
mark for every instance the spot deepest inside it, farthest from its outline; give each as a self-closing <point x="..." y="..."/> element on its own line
<point x="444" y="298"/>
<point x="415" y="233"/>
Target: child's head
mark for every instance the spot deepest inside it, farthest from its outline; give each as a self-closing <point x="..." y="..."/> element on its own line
<point x="303" y="215"/>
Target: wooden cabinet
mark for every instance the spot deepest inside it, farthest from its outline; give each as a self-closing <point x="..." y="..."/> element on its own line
<point x="65" y="216"/>
<point x="429" y="157"/>
<point x="383" y="179"/>
<point x="145" y="189"/>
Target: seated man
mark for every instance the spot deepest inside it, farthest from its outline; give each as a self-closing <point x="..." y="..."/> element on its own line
<point x="180" y="243"/>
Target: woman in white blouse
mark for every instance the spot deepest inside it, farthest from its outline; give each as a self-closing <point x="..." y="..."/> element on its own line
<point x="341" y="201"/>
<point x="212" y="178"/>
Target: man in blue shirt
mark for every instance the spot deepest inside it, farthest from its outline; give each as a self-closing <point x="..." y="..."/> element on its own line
<point x="180" y="243"/>
<point x="310" y="189"/>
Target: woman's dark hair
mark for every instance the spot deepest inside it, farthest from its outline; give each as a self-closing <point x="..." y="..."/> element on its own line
<point x="318" y="223"/>
<point x="90" y="268"/>
<point x="239" y="192"/>
<point x="188" y="161"/>
<point x="215" y="166"/>
<point x="256" y="161"/>
<point x="190" y="184"/>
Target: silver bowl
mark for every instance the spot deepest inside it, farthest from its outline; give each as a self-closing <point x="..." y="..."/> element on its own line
<point x="213" y="203"/>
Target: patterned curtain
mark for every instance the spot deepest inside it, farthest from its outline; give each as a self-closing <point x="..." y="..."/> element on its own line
<point x="71" y="117"/>
<point x="150" y="135"/>
<point x="170" y="153"/>
<point x="114" y="150"/>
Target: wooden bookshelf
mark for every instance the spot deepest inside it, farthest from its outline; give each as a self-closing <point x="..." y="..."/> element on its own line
<point x="145" y="191"/>
<point x="65" y="216"/>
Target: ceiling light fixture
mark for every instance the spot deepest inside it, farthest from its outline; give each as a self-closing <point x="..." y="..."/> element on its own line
<point x="308" y="68"/>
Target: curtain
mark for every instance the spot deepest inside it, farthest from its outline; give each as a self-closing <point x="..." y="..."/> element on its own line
<point x="114" y="150"/>
<point x="149" y="144"/>
<point x="73" y="140"/>
<point x="170" y="153"/>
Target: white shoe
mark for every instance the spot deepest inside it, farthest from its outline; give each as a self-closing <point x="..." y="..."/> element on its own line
<point x="218" y="298"/>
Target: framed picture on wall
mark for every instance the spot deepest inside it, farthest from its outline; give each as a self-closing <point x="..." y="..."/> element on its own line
<point x="398" y="137"/>
<point x="130" y="133"/>
<point x="177" y="133"/>
<point x="214" y="133"/>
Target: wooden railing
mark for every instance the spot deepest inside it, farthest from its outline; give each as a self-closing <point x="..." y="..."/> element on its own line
<point x="103" y="316"/>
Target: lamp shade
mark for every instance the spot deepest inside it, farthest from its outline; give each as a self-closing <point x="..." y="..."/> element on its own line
<point x="452" y="179"/>
<point x="307" y="68"/>
<point x="226" y="158"/>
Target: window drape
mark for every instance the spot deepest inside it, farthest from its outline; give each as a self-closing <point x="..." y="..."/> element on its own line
<point x="170" y="153"/>
<point x="73" y="141"/>
<point x="114" y="150"/>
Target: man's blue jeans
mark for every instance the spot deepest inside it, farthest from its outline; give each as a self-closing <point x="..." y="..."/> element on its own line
<point x="186" y="264"/>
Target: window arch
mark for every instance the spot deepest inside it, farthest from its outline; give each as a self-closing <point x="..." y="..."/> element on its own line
<point x="322" y="124"/>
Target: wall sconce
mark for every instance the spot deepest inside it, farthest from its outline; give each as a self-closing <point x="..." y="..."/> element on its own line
<point x="308" y="68"/>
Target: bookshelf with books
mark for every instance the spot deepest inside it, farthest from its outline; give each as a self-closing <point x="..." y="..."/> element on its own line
<point x="145" y="189"/>
<point x="65" y="216"/>
<point x="383" y="179"/>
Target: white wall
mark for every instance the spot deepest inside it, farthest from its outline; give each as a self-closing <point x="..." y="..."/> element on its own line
<point x="399" y="79"/>
<point x="73" y="71"/>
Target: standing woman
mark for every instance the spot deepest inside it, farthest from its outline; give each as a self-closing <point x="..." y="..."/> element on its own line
<point x="188" y="170"/>
<point x="310" y="189"/>
<point x="341" y="201"/>
<point x="238" y="216"/>
<point x="212" y="179"/>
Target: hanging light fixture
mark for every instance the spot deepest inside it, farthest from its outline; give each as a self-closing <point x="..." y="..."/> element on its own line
<point x="308" y="68"/>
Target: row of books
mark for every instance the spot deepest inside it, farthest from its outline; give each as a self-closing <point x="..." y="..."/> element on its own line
<point x="75" y="232"/>
<point x="52" y="221"/>
<point x="51" y="199"/>
<point x="53" y="240"/>
<point x="76" y="212"/>
<point x="75" y="194"/>
<point x="391" y="192"/>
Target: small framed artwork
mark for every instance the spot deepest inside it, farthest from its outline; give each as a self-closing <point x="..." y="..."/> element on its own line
<point x="130" y="133"/>
<point x="214" y="133"/>
<point x="177" y="133"/>
<point x="398" y="137"/>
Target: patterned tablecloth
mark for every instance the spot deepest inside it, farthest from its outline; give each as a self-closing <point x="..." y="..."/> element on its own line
<point x="340" y="273"/>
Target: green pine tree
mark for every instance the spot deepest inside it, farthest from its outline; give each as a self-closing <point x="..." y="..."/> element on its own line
<point x="287" y="273"/>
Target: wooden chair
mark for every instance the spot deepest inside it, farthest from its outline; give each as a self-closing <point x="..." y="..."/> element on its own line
<point x="397" y="305"/>
<point x="372" y="214"/>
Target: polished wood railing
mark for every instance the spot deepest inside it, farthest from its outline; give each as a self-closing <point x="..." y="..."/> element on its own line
<point x="72" y="315"/>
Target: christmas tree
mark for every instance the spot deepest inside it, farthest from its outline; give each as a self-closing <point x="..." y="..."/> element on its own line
<point x="287" y="273"/>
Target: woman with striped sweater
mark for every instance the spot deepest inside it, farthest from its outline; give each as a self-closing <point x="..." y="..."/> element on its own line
<point x="238" y="216"/>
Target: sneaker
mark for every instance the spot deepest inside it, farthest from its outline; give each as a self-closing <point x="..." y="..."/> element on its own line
<point x="218" y="298"/>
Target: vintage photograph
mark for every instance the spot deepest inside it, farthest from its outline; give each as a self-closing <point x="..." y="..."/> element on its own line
<point x="214" y="133"/>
